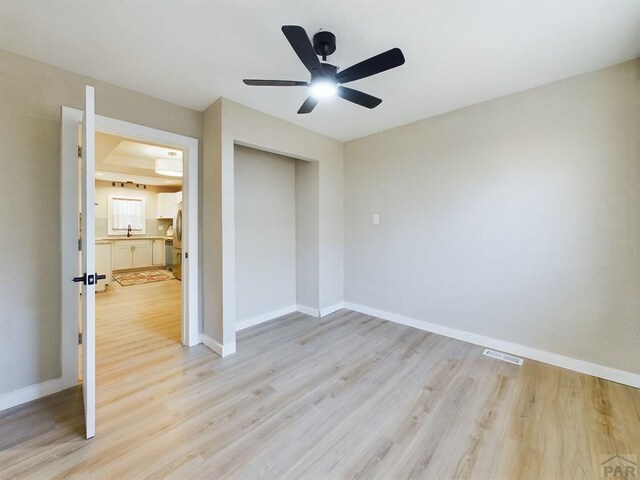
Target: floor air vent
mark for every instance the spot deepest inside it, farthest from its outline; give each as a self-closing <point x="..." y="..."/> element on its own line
<point x="503" y="356"/>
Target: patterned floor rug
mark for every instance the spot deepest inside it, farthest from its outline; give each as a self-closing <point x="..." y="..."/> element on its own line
<point x="127" y="279"/>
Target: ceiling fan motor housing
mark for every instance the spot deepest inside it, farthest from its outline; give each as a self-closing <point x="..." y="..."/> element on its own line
<point x="329" y="70"/>
<point x="324" y="43"/>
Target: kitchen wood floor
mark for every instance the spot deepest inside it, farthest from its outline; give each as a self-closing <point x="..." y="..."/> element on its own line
<point x="346" y="396"/>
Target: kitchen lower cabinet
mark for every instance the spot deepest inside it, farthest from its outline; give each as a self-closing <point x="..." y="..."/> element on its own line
<point x="104" y="251"/>
<point x="132" y="254"/>
<point x="158" y="253"/>
<point x="122" y="255"/>
<point x="142" y="254"/>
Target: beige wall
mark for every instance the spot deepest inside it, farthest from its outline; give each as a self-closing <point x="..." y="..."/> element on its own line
<point x="211" y="231"/>
<point x="31" y="95"/>
<point x="307" y="234"/>
<point x="515" y="219"/>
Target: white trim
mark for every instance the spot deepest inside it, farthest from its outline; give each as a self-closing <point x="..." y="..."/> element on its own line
<point x="582" y="366"/>
<point x="69" y="224"/>
<point x="265" y="317"/>
<point x="32" y="392"/>
<point x="331" y="309"/>
<point x="314" y="312"/>
<point x="222" y="350"/>
<point x="88" y="228"/>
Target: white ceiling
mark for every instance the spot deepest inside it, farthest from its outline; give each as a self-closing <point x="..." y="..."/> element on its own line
<point x="459" y="52"/>
<point x="120" y="160"/>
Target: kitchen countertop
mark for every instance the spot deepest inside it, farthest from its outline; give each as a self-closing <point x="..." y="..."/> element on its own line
<point x="135" y="237"/>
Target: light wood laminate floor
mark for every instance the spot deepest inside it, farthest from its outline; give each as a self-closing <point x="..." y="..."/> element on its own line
<point x="346" y="396"/>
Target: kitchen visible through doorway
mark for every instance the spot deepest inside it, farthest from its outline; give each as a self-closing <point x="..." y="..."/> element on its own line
<point x="138" y="230"/>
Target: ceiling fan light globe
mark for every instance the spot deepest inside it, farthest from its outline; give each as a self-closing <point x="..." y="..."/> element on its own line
<point x="323" y="89"/>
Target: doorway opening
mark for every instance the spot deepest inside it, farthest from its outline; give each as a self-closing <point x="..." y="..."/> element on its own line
<point x="138" y="248"/>
<point x="133" y="198"/>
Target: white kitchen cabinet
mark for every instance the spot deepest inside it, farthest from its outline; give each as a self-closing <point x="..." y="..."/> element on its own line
<point x="103" y="264"/>
<point x="142" y="254"/>
<point x="122" y="255"/>
<point x="167" y="205"/>
<point x="158" y="253"/>
<point x="132" y="254"/>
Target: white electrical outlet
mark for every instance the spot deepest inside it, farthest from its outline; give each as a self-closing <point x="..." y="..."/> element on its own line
<point x="160" y="228"/>
<point x="376" y="219"/>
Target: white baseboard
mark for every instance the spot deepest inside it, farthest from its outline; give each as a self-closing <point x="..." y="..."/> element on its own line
<point x="32" y="392"/>
<point x="314" y="312"/>
<point x="222" y="350"/>
<point x="265" y="317"/>
<point x="331" y="308"/>
<point x="582" y="366"/>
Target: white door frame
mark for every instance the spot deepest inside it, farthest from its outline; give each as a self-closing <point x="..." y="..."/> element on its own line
<point x="71" y="118"/>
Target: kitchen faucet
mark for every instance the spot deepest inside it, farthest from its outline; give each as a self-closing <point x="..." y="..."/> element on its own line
<point x="128" y="231"/>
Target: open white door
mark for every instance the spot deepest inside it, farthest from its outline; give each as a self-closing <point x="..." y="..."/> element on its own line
<point x="89" y="277"/>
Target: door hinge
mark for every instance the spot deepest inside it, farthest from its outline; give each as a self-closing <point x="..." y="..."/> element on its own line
<point x="79" y="151"/>
<point x="79" y="244"/>
<point x="79" y="339"/>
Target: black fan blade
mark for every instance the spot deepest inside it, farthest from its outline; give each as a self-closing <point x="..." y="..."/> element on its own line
<point x="274" y="83"/>
<point x="300" y="42"/>
<point x="308" y="105"/>
<point x="358" y="97"/>
<point x="385" y="61"/>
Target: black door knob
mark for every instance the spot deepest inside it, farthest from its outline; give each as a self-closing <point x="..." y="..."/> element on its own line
<point x="82" y="279"/>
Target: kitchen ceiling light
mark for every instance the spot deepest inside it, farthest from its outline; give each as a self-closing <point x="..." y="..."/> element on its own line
<point x="170" y="167"/>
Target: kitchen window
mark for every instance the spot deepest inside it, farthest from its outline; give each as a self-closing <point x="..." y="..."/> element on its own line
<point x="126" y="213"/>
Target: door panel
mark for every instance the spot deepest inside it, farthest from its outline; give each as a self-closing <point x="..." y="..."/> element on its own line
<point x="88" y="264"/>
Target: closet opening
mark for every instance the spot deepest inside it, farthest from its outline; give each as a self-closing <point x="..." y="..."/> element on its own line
<point x="276" y="236"/>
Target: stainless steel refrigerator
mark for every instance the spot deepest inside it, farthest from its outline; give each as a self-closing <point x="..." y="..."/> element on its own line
<point x="177" y="244"/>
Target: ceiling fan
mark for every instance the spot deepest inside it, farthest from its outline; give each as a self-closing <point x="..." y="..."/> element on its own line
<point x="325" y="80"/>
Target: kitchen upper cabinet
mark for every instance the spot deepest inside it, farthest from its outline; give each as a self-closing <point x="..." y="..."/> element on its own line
<point x="132" y="254"/>
<point x="158" y="253"/>
<point x="168" y="204"/>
